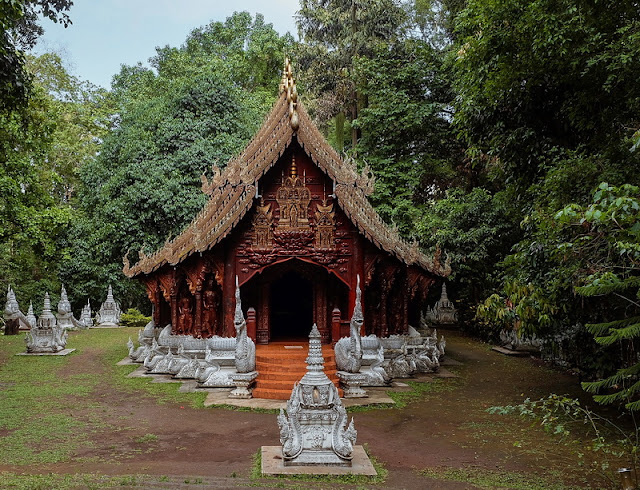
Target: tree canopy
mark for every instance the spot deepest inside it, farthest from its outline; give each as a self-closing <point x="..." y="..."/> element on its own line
<point x="195" y="107"/>
<point x="503" y="133"/>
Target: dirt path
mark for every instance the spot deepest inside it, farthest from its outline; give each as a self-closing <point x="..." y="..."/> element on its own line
<point x="446" y="427"/>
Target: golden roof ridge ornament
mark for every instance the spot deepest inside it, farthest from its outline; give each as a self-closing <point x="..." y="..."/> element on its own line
<point x="288" y="86"/>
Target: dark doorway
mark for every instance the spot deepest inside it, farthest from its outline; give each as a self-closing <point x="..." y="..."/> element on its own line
<point x="291" y="307"/>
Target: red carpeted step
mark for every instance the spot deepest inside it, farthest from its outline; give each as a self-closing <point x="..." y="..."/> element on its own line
<point x="281" y="365"/>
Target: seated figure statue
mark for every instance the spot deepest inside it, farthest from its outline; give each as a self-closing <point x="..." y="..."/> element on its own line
<point x="65" y="315"/>
<point x="14" y="318"/>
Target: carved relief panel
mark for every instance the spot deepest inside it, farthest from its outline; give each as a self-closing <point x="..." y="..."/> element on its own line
<point x="293" y="199"/>
<point x="325" y="226"/>
<point x="262" y="224"/>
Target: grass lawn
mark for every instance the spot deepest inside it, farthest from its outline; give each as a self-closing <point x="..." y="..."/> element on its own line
<point x="78" y="422"/>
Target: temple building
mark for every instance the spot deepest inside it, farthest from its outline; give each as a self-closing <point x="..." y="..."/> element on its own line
<point x="290" y="218"/>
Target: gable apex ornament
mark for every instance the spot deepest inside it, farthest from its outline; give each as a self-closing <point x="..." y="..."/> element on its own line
<point x="288" y="85"/>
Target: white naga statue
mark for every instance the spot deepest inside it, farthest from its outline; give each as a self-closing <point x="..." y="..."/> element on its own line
<point x="109" y="314"/>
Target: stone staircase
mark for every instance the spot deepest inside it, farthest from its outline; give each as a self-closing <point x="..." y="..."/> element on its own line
<point x="281" y="364"/>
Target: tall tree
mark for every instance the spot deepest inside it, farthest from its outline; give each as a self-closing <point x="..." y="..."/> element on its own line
<point x="19" y="31"/>
<point x="197" y="109"/>
<point x="406" y="136"/>
<point x="45" y="143"/>
<point x="335" y="32"/>
<point x="546" y="104"/>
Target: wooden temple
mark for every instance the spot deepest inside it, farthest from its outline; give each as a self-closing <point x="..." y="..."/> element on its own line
<point x="290" y="218"/>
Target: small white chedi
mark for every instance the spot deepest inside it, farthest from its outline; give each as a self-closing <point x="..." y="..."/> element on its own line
<point x="85" y="315"/>
<point x="443" y="312"/>
<point x="314" y="429"/>
<point x="46" y="336"/>
<point x="109" y="314"/>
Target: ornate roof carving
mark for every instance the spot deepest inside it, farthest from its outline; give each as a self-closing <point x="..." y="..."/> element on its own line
<point x="232" y="191"/>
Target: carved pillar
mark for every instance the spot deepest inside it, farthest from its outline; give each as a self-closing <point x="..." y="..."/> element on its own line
<point x="251" y="323"/>
<point x="174" y="309"/>
<point x="263" y="317"/>
<point x="320" y="309"/>
<point x="335" y="325"/>
<point x="173" y="292"/>
<point x="198" y="319"/>
<point x="404" y="327"/>
<point x="228" y="294"/>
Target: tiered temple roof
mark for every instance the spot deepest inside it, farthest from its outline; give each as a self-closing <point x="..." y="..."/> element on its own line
<point x="233" y="191"/>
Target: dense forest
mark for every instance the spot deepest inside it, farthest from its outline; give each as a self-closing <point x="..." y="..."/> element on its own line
<point x="503" y="134"/>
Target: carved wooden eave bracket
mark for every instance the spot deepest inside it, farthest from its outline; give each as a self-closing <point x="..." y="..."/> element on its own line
<point x="232" y="191"/>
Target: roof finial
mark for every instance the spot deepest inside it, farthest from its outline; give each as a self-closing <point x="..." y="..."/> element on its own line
<point x="294" y="167"/>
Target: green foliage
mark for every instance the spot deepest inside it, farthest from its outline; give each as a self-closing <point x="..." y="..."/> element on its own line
<point x="475" y="229"/>
<point x="43" y="144"/>
<point x="409" y="146"/>
<point x="335" y="33"/>
<point x="565" y="417"/>
<point x="19" y="30"/>
<point x="523" y="308"/>
<point x="536" y="107"/>
<point x="133" y="318"/>
<point x="536" y="75"/>
<point x="606" y="241"/>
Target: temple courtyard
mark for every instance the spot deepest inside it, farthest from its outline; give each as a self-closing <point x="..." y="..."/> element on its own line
<point x="82" y="421"/>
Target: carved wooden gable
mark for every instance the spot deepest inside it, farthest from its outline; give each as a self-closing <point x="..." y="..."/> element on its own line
<point x="296" y="217"/>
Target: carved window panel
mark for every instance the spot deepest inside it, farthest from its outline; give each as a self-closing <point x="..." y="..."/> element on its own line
<point x="325" y="226"/>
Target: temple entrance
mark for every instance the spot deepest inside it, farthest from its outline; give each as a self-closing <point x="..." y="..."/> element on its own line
<point x="291" y="307"/>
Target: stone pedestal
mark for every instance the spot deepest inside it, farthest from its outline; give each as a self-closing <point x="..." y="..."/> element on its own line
<point x="351" y="384"/>
<point x="244" y="384"/>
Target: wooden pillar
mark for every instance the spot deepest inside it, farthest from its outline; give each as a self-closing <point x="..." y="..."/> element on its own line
<point x="384" y="325"/>
<point x="174" y="310"/>
<point x="320" y="309"/>
<point x="335" y="325"/>
<point x="157" y="296"/>
<point x="251" y="323"/>
<point x="263" y="317"/>
<point x="228" y="294"/>
<point x="405" y="306"/>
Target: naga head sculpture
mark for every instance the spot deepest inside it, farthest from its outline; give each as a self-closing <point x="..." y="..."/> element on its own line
<point x="238" y="319"/>
<point x="357" y="316"/>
